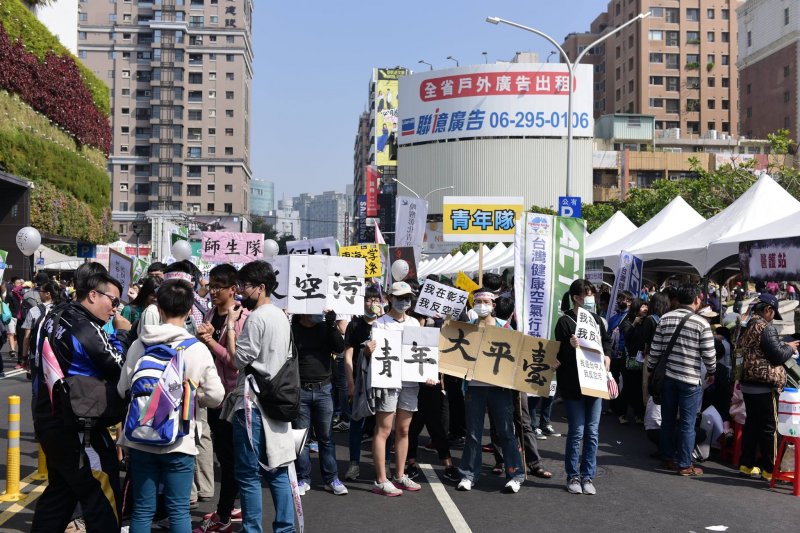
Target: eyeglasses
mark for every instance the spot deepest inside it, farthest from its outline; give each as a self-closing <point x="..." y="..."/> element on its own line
<point x="242" y="286"/>
<point x="114" y="300"/>
<point x="215" y="288"/>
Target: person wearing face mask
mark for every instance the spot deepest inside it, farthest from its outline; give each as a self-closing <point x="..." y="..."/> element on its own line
<point x="316" y="338"/>
<point x="391" y="403"/>
<point x="358" y="332"/>
<point x="583" y="412"/>
<point x="618" y="348"/>
<point x="500" y="402"/>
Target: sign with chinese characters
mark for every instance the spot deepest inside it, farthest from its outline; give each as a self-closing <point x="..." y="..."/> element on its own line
<point x="569" y="206"/>
<point x="386" y="92"/>
<point x="120" y="267"/>
<point x="385" y="365"/>
<point x="371" y="186"/>
<point x="628" y="278"/>
<point x="592" y="374"/>
<point x="770" y="260"/>
<point x="321" y="246"/>
<point x="548" y="257"/>
<point x="409" y="227"/>
<point x="438" y="300"/>
<point x="594" y="271"/>
<point x="465" y="283"/>
<point x="365" y="232"/>
<point x="433" y="242"/>
<point x="280" y="265"/>
<point x="481" y="219"/>
<point x="231" y="247"/>
<point x="588" y="332"/>
<point x="499" y="100"/>
<point x="371" y="256"/>
<point x="420" y="354"/>
<point x="498" y="356"/>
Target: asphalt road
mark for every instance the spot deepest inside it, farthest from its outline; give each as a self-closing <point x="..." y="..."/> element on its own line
<point x="633" y="495"/>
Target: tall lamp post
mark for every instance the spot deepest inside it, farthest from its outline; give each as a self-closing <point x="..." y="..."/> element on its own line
<point x="137" y="228"/>
<point x="423" y="62"/>
<point x="417" y="195"/>
<point x="571" y="68"/>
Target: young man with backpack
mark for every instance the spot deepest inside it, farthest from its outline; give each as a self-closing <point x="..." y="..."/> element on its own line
<point x="166" y="371"/>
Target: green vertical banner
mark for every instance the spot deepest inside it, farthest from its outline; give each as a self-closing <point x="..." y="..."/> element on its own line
<point x="3" y="256"/>
<point x="548" y="257"/>
<point x="181" y="235"/>
<point x="139" y="269"/>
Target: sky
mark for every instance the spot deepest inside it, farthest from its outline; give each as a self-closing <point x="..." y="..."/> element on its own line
<point x="313" y="62"/>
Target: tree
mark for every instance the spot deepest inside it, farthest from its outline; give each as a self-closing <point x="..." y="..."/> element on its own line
<point x="780" y="142"/>
<point x="596" y="214"/>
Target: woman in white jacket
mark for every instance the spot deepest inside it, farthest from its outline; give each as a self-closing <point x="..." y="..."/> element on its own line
<point x="172" y="465"/>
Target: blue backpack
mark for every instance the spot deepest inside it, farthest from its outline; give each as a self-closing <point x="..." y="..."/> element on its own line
<point x="148" y="371"/>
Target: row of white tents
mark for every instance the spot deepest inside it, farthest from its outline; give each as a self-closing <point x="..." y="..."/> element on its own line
<point x="677" y="238"/>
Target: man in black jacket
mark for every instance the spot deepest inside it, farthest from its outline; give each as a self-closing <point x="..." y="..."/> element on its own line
<point x="85" y="473"/>
<point x="316" y="338"/>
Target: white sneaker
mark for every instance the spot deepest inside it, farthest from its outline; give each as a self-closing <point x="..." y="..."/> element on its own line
<point x="513" y="485"/>
<point x="303" y="487"/>
<point x="406" y="483"/>
<point x="539" y="435"/>
<point x="353" y="471"/>
<point x="465" y="485"/>
<point x="337" y="487"/>
<point x="386" y="488"/>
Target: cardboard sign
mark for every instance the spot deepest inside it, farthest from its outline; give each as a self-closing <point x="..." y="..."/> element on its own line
<point x="385" y="365"/>
<point x="439" y="300"/>
<point x="369" y="253"/>
<point x="321" y="246"/>
<point x="120" y="267"/>
<point x="420" y="355"/>
<point x="498" y="356"/>
<point x="231" y="247"/>
<point x="592" y="373"/>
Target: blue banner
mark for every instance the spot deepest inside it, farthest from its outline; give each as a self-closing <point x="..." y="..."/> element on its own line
<point x="628" y="278"/>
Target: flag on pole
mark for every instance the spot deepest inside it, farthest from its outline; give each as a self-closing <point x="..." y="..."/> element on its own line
<point x="378" y="234"/>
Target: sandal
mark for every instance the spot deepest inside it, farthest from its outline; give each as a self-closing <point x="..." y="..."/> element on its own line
<point x="539" y="471"/>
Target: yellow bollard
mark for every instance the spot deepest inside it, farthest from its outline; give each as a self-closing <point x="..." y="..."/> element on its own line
<point x="41" y="472"/>
<point x="12" y="493"/>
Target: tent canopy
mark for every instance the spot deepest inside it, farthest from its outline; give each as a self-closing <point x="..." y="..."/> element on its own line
<point x="676" y="217"/>
<point x="696" y="246"/>
<point x="612" y="230"/>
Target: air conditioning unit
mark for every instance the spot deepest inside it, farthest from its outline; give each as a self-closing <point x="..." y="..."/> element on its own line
<point x="194" y="208"/>
<point x="123" y="187"/>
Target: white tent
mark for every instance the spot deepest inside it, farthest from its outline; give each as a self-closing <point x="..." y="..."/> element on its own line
<point x="676" y="217"/>
<point x="613" y="229"/>
<point x="785" y="227"/>
<point x="763" y="203"/>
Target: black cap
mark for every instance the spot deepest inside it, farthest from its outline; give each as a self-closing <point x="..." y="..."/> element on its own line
<point x="770" y="300"/>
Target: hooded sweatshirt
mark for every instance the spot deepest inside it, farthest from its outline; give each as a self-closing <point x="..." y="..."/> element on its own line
<point x="199" y="368"/>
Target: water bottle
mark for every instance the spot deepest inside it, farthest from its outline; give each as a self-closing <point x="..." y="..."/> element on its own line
<point x="789" y="413"/>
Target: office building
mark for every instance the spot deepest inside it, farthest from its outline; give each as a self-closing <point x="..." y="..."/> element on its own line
<point x="325" y="215"/>
<point x="285" y="220"/>
<point x="678" y="64"/>
<point x="262" y="197"/>
<point x="769" y="67"/>
<point x="180" y="74"/>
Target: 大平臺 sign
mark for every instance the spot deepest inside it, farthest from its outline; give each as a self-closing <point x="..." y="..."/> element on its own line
<point x="480" y="219"/>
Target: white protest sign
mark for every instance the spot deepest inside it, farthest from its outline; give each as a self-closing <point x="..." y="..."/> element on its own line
<point x="592" y="373"/>
<point x="280" y="264"/>
<point x="318" y="282"/>
<point x="588" y="332"/>
<point x="409" y="229"/>
<point x="420" y="355"/>
<point x="385" y="366"/>
<point x="120" y="267"/>
<point x="436" y="299"/>
<point x="321" y="246"/>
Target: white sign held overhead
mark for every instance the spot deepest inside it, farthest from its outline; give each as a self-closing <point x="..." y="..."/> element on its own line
<point x="309" y="284"/>
<point x="509" y="99"/>
<point x="411" y="214"/>
<point x="438" y="300"/>
<point x="321" y="246"/>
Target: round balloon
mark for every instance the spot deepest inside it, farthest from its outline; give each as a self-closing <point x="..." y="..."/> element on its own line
<point x="28" y="240"/>
<point x="181" y="250"/>
<point x="399" y="270"/>
<point x="270" y="248"/>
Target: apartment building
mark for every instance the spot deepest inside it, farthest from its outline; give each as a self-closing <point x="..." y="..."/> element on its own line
<point x="678" y="64"/>
<point x="325" y="215"/>
<point x="769" y="67"/>
<point x="262" y="197"/>
<point x="180" y="75"/>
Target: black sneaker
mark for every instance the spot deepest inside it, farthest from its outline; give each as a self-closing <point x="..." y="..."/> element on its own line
<point x="549" y="431"/>
<point x="413" y="471"/>
<point x="451" y="473"/>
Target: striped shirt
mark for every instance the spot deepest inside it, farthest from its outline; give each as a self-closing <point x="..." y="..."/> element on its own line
<point x="695" y="343"/>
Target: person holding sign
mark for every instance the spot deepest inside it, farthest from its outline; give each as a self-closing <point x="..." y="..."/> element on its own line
<point x="500" y="403"/>
<point x="583" y="411"/>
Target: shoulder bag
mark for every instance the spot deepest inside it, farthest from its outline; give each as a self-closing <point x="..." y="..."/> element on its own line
<point x="656" y="382"/>
<point x="279" y="396"/>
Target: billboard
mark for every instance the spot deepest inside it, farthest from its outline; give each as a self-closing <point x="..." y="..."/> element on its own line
<point x="386" y="89"/>
<point x="501" y="100"/>
<point x="481" y="219"/>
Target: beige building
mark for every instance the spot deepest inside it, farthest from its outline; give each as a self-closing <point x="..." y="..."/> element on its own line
<point x="677" y="65"/>
<point x="180" y="75"/>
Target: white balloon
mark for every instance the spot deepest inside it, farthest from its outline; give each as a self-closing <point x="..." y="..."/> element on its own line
<point x="271" y="248"/>
<point x="28" y="240"/>
<point x="399" y="270"/>
<point x="181" y="250"/>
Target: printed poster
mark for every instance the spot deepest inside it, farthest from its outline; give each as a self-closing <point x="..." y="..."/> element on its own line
<point x="231" y="247"/>
<point x="481" y="219"/>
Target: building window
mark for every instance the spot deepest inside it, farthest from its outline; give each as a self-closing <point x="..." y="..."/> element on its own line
<point x="725" y="37"/>
<point x="725" y="14"/>
<point x="725" y="105"/>
<point x="212" y="169"/>
<point x="228" y="188"/>
<point x="786" y="16"/>
<point x="786" y="71"/>
<point x="673" y="38"/>
<point x="229" y="208"/>
<point x="673" y="60"/>
<point x="229" y="113"/>
<point x="725" y="82"/>
<point x="656" y="80"/>
<point x="710" y="13"/>
<point x="193" y="190"/>
<point x="229" y="150"/>
<point x="229" y="95"/>
<point x="83" y="17"/>
<point x="693" y="83"/>
<point x="673" y="105"/>
<point x="657" y="12"/>
<point x="212" y="94"/>
<point x="712" y="82"/>
<point x="656" y="57"/>
<point x="692" y="14"/>
<point x="656" y="102"/>
<point x="229" y="132"/>
<point x="692" y="105"/>
<point x="228" y="169"/>
<point x="656" y="35"/>
<point x="710" y="36"/>
<point x="125" y="129"/>
<point x="693" y="37"/>
<point x="82" y="35"/>
<point x="711" y="104"/>
<point x="195" y="114"/>
<point x="212" y="187"/>
<point x="229" y="76"/>
<point x="229" y="58"/>
<point x="229" y="39"/>
<point x="787" y="122"/>
<point x="212" y="131"/>
<point x="194" y="152"/>
<point x="212" y="76"/>
<point x="787" y="96"/>
<point x="725" y="59"/>
<point x="195" y="78"/>
<point x="749" y="39"/>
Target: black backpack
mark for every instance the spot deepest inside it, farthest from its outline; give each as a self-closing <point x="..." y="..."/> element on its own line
<point x="280" y="395"/>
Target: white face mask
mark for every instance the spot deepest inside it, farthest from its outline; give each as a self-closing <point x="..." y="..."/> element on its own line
<point x="588" y="304"/>
<point x="483" y="310"/>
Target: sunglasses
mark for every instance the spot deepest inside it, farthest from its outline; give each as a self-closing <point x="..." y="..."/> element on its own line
<point x="114" y="300"/>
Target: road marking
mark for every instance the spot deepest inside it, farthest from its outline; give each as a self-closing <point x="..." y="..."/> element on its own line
<point x="13" y="373"/>
<point x="448" y="506"/>
<point x="29" y="498"/>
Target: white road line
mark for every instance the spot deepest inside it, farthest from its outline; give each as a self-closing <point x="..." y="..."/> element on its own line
<point x="13" y="373"/>
<point x="448" y="506"/>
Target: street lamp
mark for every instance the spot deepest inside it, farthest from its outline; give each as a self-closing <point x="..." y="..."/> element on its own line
<point x="451" y="58"/>
<point x="485" y="57"/>
<point x="417" y="195"/>
<point x="571" y="68"/>
<point x="551" y="55"/>
<point x="425" y="63"/>
<point x="137" y="228"/>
